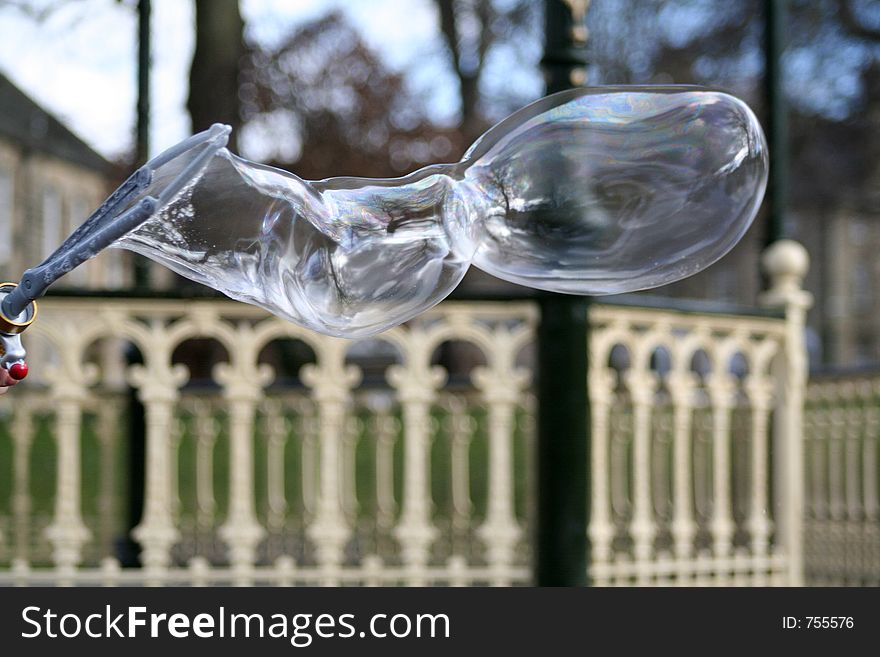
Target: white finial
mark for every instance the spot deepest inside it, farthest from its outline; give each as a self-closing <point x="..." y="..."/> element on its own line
<point x="786" y="263"/>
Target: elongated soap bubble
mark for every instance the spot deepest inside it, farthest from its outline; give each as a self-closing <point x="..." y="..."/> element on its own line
<point x="589" y="191"/>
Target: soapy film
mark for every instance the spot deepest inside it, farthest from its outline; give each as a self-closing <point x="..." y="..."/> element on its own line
<point x="589" y="191"/>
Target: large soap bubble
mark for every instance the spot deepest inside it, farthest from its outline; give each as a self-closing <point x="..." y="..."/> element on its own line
<point x="589" y="191"/>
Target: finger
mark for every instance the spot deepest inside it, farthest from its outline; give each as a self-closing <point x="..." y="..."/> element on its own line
<point x="6" y="379"/>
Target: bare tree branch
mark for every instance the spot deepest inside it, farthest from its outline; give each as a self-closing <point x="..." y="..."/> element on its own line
<point x="37" y="12"/>
<point x="449" y="27"/>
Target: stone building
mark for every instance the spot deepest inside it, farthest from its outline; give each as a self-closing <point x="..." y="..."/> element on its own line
<point x="50" y="181"/>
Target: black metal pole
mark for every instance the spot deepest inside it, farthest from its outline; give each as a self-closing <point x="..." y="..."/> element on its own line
<point x="775" y="12"/>
<point x="128" y="550"/>
<point x="141" y="269"/>
<point x="563" y="410"/>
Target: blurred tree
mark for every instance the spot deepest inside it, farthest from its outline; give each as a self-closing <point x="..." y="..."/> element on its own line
<point x="832" y="50"/>
<point x="471" y="30"/>
<point x="214" y="74"/>
<point x="832" y="82"/>
<point x="323" y="103"/>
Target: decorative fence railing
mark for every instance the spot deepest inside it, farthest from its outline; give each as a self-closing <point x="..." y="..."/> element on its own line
<point x="401" y="460"/>
<point x="332" y="479"/>
<point x="681" y="445"/>
<point x="842" y="524"/>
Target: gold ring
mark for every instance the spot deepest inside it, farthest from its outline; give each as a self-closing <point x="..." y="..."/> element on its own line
<point x="10" y="326"/>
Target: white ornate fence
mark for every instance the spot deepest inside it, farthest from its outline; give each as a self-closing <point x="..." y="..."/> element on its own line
<point x="842" y="525"/>
<point x="379" y="467"/>
<point x="316" y="445"/>
<point x="697" y="441"/>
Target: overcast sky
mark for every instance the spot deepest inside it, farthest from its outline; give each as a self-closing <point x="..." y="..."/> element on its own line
<point x="79" y="62"/>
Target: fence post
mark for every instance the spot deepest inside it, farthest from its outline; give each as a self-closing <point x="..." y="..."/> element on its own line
<point x="68" y="533"/>
<point x="158" y="383"/>
<point x="786" y="263"/>
<point x="243" y="380"/>
<point x="330" y="381"/>
<point x="501" y="384"/>
<point x="416" y="382"/>
<point x="69" y="389"/>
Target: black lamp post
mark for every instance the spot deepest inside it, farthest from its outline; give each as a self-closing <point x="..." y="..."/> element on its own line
<point x="776" y="114"/>
<point x="141" y="265"/>
<point x="563" y="404"/>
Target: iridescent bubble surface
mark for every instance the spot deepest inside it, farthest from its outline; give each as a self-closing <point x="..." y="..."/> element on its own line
<point x="590" y="191"/>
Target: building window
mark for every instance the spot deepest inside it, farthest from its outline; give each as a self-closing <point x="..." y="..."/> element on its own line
<point x="52" y="221"/>
<point x="6" y="210"/>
